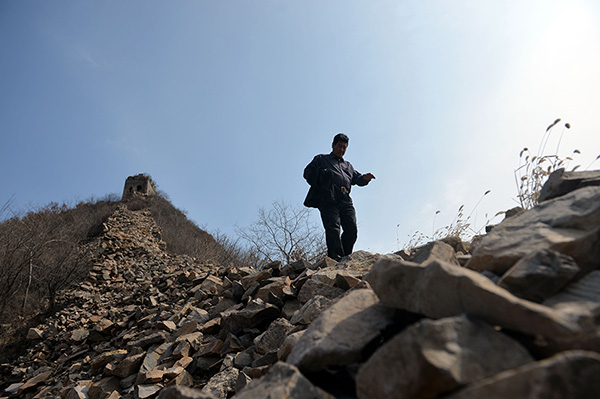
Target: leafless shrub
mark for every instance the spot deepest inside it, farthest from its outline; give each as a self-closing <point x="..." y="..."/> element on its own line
<point x="284" y="233"/>
<point x="231" y="252"/>
<point x="40" y="253"/>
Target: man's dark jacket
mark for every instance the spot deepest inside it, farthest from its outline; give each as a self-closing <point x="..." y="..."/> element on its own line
<point x="330" y="180"/>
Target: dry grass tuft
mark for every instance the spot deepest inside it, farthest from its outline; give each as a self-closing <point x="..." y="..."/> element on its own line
<point x="461" y="227"/>
<point x="533" y="170"/>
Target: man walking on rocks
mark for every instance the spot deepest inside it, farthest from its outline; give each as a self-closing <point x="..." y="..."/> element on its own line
<point x="330" y="177"/>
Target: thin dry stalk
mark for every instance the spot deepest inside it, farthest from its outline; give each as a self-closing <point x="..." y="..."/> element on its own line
<point x="532" y="172"/>
<point x="460" y="227"/>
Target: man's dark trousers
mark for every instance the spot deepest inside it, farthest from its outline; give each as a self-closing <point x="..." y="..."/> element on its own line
<point x="336" y="215"/>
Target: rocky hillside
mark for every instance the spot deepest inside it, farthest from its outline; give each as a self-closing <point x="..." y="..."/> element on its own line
<point x="518" y="315"/>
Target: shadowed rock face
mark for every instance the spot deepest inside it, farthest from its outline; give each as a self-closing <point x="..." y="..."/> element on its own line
<point x="433" y="357"/>
<point x="148" y="324"/>
<point x="341" y="333"/>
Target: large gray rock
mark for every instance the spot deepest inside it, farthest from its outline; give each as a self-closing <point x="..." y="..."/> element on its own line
<point x="568" y="224"/>
<point x="200" y="316"/>
<point x="272" y="290"/>
<point x="248" y="280"/>
<point x="435" y="250"/>
<point x="154" y="354"/>
<point x="434" y="357"/>
<point x="272" y="339"/>
<point x="282" y="381"/>
<point x="288" y="344"/>
<point x="568" y="375"/>
<point x="146" y="391"/>
<point x="539" y="275"/>
<point x="441" y="290"/>
<point x="560" y="183"/>
<point x="222" y="383"/>
<point x="129" y="365"/>
<point x="313" y="288"/>
<point x="311" y="310"/>
<point x="341" y="333"/>
<point x="252" y="315"/>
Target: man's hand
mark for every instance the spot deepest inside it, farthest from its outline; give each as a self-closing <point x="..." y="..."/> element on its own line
<point x="368" y="177"/>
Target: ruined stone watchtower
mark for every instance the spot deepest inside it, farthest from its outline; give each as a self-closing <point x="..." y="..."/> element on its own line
<point x="140" y="184"/>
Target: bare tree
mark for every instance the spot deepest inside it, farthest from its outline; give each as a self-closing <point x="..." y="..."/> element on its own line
<point x="284" y="233"/>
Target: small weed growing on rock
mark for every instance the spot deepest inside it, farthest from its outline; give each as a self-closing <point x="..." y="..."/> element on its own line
<point x="533" y="170"/>
<point x="461" y="227"/>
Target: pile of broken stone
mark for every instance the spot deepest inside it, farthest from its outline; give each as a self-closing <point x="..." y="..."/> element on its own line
<point x="516" y="315"/>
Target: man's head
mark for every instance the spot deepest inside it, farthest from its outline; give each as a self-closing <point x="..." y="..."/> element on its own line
<point x="340" y="144"/>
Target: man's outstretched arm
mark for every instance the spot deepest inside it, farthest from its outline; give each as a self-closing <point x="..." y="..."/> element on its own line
<point x="362" y="180"/>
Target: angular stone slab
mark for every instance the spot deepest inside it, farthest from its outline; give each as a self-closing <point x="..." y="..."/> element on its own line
<point x="35" y="333"/>
<point x="311" y="310"/>
<point x="153" y="356"/>
<point x="439" y="290"/>
<point x="282" y="381"/>
<point x="568" y="224"/>
<point x="288" y="344"/>
<point x="539" y="275"/>
<point x="146" y="391"/>
<point x="129" y="365"/>
<point x="223" y="383"/>
<point x="252" y="315"/>
<point x="431" y="358"/>
<point x="560" y="183"/>
<point x="272" y="339"/>
<point x="312" y="288"/>
<point x="104" y="358"/>
<point x="570" y="374"/>
<point x="34" y="382"/>
<point x="340" y="334"/>
<point x="435" y="250"/>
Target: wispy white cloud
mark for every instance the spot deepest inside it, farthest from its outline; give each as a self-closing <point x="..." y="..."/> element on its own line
<point x="85" y="56"/>
<point x="75" y="50"/>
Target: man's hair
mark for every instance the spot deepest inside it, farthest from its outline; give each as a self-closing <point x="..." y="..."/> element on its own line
<point x="340" y="137"/>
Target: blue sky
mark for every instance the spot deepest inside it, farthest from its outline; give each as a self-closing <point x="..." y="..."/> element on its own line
<point x="224" y="103"/>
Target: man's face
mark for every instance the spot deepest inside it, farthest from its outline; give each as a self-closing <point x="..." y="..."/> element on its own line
<point x="339" y="149"/>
